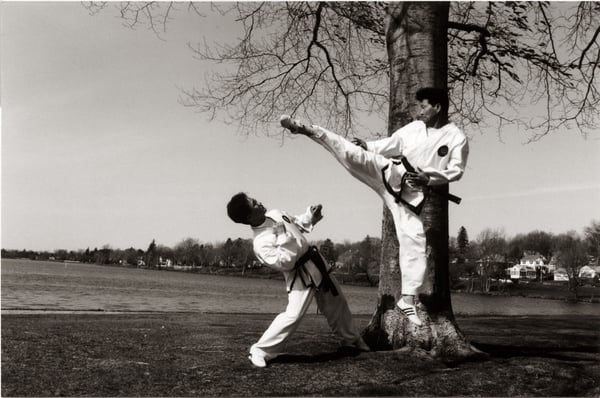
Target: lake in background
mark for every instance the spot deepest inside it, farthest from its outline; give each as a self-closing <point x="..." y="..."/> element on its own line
<point x="52" y="286"/>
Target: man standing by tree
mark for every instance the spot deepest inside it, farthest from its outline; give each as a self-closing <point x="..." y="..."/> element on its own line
<point x="437" y="151"/>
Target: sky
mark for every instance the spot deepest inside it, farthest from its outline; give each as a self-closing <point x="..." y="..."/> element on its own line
<point x="96" y="150"/>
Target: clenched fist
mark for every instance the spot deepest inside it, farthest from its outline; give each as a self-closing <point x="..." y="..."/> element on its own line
<point x="316" y="213"/>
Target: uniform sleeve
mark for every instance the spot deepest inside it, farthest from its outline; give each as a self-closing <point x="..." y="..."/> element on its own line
<point x="456" y="165"/>
<point x="304" y="221"/>
<point x="390" y="147"/>
<point x="277" y="251"/>
<point x="393" y="146"/>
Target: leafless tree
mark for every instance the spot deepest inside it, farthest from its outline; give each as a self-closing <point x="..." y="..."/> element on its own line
<point x="491" y="247"/>
<point x="327" y="61"/>
<point x="571" y="255"/>
<point x="592" y="237"/>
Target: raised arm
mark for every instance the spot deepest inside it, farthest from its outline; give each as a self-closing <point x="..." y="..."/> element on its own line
<point x="308" y="219"/>
<point x="392" y="147"/>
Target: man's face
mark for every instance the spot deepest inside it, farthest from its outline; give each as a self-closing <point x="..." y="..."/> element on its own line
<point x="257" y="211"/>
<point x="427" y="112"/>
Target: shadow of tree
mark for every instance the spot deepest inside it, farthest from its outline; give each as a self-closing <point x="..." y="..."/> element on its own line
<point x="564" y="353"/>
<point x="342" y="352"/>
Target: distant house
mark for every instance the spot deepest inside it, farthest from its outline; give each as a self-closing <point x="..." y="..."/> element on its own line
<point x="531" y="266"/>
<point x="522" y="271"/>
<point x="166" y="263"/>
<point x="533" y="260"/>
<point x="561" y="275"/>
<point x="552" y="265"/>
<point x="589" y="271"/>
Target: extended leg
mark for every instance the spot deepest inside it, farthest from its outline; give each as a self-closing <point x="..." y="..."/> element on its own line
<point x="363" y="165"/>
<point x="338" y="315"/>
<point x="367" y="167"/>
<point x="274" y="338"/>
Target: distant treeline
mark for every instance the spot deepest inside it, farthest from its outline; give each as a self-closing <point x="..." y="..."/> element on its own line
<point x="489" y="254"/>
<point x="356" y="260"/>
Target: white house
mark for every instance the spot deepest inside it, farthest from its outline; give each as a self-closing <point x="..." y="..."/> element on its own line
<point x="529" y="267"/>
<point x="552" y="265"/>
<point x="522" y="271"/>
<point x="536" y="260"/>
<point x="589" y="271"/>
<point x="560" y="274"/>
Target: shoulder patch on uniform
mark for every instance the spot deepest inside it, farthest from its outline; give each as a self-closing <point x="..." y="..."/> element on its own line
<point x="443" y="150"/>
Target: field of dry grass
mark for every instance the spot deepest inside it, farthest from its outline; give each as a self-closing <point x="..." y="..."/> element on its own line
<point x="194" y="354"/>
<point x="128" y="332"/>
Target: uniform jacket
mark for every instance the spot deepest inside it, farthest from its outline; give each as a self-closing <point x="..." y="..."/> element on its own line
<point x="441" y="153"/>
<point x="279" y="242"/>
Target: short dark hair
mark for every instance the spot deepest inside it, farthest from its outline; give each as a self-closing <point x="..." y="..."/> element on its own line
<point x="238" y="208"/>
<point x="434" y="96"/>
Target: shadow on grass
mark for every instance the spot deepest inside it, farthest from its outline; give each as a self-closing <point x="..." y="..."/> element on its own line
<point x="343" y="352"/>
<point x="551" y="352"/>
<point x="489" y="352"/>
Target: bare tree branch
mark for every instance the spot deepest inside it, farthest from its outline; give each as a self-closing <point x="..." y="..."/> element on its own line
<point x="586" y="49"/>
<point x="328" y="60"/>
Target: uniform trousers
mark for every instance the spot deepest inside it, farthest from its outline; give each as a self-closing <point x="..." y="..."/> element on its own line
<point x="335" y="309"/>
<point x="367" y="167"/>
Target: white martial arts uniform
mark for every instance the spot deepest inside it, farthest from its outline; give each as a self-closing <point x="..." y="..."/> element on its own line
<point x="441" y="153"/>
<point x="278" y="243"/>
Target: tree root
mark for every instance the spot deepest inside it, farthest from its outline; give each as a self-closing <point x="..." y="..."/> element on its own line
<point x="438" y="338"/>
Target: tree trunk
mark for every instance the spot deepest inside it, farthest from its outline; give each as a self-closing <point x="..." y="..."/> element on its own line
<point x="417" y="49"/>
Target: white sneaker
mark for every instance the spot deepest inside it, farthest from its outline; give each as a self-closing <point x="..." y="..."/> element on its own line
<point x="410" y="311"/>
<point x="257" y="361"/>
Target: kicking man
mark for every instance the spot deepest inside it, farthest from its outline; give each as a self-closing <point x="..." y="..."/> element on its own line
<point x="436" y="151"/>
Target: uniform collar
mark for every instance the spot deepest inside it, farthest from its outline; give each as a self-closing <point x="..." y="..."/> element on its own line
<point x="266" y="224"/>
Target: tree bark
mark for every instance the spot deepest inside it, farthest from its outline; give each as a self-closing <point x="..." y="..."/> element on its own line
<point x="417" y="49"/>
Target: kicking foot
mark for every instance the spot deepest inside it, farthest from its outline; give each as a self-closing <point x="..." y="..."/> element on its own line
<point x="294" y="126"/>
<point x="410" y="311"/>
<point x="257" y="361"/>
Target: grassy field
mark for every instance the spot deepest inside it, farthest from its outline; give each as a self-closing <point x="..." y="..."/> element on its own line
<point x="544" y="290"/>
<point x="192" y="354"/>
<point x="128" y="332"/>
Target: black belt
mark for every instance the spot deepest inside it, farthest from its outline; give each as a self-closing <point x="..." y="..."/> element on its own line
<point x="448" y="196"/>
<point x="313" y="254"/>
<point x="398" y="195"/>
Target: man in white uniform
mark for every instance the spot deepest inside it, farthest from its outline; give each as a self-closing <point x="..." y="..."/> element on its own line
<point x="279" y="243"/>
<point x="437" y="151"/>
